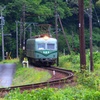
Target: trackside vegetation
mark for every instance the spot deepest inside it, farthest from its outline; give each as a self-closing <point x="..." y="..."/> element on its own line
<point x="74" y="93"/>
<point x="87" y="85"/>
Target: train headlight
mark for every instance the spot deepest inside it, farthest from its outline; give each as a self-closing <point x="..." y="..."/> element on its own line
<point x="45" y="37"/>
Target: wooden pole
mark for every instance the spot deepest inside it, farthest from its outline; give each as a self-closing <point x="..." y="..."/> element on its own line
<point x="81" y="35"/>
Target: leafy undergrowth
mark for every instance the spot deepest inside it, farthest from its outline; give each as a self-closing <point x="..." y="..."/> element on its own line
<point x="74" y="93"/>
<point x="72" y="61"/>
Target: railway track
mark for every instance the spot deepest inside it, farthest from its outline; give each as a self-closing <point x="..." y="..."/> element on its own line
<point x="53" y="83"/>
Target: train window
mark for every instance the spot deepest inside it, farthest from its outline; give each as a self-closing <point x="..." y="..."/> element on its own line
<point x="50" y="46"/>
<point x="41" y="46"/>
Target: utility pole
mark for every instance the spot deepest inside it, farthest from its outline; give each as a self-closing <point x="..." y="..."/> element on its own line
<point x="81" y="35"/>
<point x="24" y="27"/>
<point x="21" y="31"/>
<point x="56" y="27"/>
<point x="90" y="25"/>
<point x="56" y="19"/>
<point x="17" y="39"/>
<point x="2" y="23"/>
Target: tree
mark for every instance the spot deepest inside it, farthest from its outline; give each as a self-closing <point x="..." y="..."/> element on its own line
<point x="42" y="11"/>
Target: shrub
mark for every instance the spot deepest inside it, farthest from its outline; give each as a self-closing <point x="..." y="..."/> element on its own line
<point x="89" y="80"/>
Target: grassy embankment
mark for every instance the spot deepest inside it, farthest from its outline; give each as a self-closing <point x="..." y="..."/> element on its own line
<point x="27" y="75"/>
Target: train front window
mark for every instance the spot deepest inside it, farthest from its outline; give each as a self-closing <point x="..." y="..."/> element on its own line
<point x="50" y="46"/>
<point x="41" y="46"/>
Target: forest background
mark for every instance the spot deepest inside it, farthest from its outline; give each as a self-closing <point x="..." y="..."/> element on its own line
<point x="43" y="12"/>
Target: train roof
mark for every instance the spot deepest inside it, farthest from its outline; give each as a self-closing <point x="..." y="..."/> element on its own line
<point x="41" y="35"/>
<point x="41" y="39"/>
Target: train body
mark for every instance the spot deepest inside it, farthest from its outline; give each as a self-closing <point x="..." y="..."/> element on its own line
<point x="42" y="50"/>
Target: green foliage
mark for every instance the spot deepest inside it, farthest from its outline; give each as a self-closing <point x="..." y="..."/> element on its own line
<point x="86" y="79"/>
<point x="92" y="95"/>
<point x="86" y="3"/>
<point x="44" y="94"/>
<point x="96" y="35"/>
<point x="96" y="56"/>
<point x="96" y="60"/>
<point x="58" y="96"/>
<point x="70" y="61"/>
<point x="74" y="93"/>
<point x="73" y="61"/>
<point x="40" y="94"/>
<point x="90" y="80"/>
<point x="42" y="11"/>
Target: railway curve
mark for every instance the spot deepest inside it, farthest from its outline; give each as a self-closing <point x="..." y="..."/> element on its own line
<point x="58" y="83"/>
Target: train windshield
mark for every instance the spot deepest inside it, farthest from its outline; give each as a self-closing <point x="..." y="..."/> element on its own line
<point x="51" y="46"/>
<point x="41" y="46"/>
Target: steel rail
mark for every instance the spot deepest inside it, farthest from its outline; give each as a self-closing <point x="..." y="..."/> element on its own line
<point x="53" y="83"/>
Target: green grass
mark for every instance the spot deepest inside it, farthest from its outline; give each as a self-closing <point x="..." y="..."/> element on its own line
<point x="10" y="61"/>
<point x="25" y="76"/>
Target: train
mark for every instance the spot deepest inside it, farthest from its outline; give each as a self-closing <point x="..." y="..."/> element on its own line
<point x="42" y="49"/>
